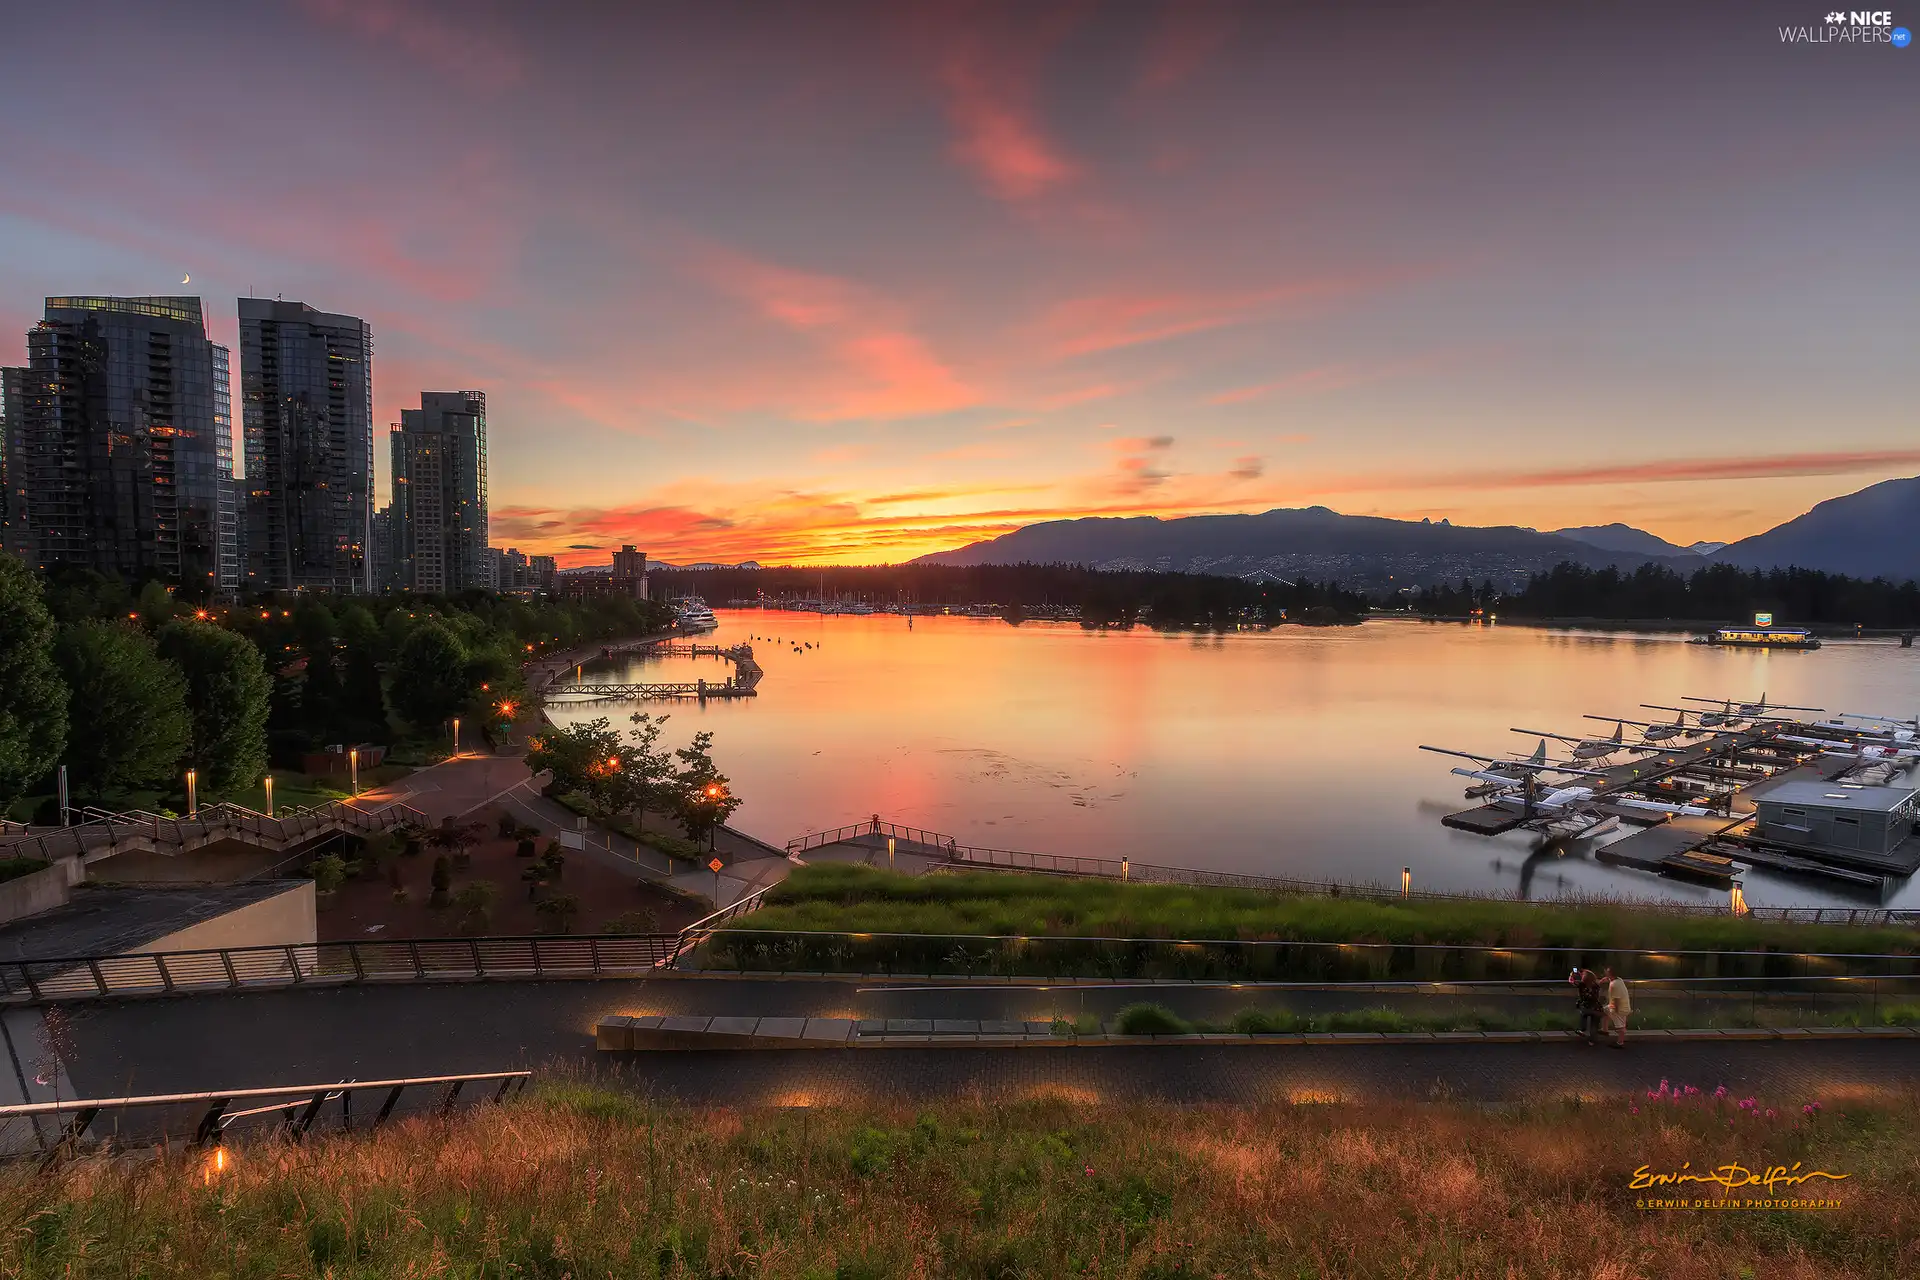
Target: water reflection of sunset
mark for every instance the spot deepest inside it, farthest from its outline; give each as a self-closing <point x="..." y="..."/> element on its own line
<point x="1291" y="752"/>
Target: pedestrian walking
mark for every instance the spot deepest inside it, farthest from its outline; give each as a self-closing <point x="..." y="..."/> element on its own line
<point x="1588" y="999"/>
<point x="1619" y="1006"/>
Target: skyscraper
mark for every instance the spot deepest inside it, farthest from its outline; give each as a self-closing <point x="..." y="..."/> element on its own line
<point x="123" y="448"/>
<point x="440" y="493"/>
<point x="306" y="380"/>
<point x="13" y="497"/>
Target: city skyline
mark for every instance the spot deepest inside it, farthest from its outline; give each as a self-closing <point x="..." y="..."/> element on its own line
<point x="853" y="285"/>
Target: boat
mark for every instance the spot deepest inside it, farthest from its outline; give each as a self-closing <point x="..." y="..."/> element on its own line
<point x="693" y="614"/>
<point x="1762" y="637"/>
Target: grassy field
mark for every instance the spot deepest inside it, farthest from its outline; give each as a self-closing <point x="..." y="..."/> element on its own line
<point x="865" y="900"/>
<point x="579" y="1182"/>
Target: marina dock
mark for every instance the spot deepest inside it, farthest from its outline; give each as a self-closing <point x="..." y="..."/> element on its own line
<point x="1843" y="777"/>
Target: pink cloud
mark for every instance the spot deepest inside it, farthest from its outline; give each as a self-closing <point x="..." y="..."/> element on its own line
<point x="1104" y="322"/>
<point x="1189" y="33"/>
<point x="997" y="133"/>
<point x="888" y="370"/>
<point x="467" y="48"/>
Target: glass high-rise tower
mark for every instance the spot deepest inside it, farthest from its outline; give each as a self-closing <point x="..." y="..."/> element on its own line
<point x="121" y="450"/>
<point x="439" y="506"/>
<point x="306" y="380"/>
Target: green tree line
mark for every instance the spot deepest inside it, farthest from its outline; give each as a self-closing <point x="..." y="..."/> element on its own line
<point x="1719" y="593"/>
<point x="1104" y="597"/>
<point x="129" y="689"/>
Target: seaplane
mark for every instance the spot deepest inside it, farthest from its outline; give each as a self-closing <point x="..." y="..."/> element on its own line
<point x="1592" y="748"/>
<point x="1891" y="728"/>
<point x="1655" y="731"/>
<point x="1558" y="808"/>
<point x="1895" y="753"/>
<point x="1730" y="715"/>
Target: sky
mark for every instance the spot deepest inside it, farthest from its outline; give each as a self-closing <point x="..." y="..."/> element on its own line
<point x="846" y="283"/>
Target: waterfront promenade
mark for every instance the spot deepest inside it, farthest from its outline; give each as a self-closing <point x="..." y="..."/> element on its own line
<point x="268" y="1038"/>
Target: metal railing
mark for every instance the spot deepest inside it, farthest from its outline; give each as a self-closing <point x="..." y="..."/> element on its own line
<point x="948" y="848"/>
<point x="751" y="950"/>
<point x="336" y="963"/>
<point x="701" y="930"/>
<point x="103" y="830"/>
<point x="298" y="1106"/>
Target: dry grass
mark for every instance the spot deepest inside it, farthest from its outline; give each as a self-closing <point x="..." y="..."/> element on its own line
<point x="577" y="1181"/>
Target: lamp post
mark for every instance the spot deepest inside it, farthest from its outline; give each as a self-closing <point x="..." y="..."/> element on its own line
<point x="456" y="735"/>
<point x="353" y="767"/>
<point x="269" y="795"/>
<point x="1406" y="882"/>
<point x="193" y="802"/>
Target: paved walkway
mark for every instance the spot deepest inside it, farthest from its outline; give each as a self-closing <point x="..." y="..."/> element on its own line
<point x="463" y="786"/>
<point x="267" y="1038"/>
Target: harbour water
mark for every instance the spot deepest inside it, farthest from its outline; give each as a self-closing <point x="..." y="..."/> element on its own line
<point x="1292" y="752"/>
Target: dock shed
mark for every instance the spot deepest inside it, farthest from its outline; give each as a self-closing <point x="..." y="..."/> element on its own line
<point x="1840" y="816"/>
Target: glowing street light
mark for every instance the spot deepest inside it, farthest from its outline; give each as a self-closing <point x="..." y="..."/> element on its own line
<point x="353" y="765"/>
<point x="269" y="795"/>
<point x="456" y="735"/>
<point x="193" y="802"/>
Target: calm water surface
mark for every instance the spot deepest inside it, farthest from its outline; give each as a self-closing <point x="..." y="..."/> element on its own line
<point x="1292" y="752"/>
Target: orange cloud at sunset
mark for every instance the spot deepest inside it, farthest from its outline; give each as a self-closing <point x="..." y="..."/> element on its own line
<point x="731" y="522"/>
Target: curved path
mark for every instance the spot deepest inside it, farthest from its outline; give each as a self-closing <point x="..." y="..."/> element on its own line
<point x="267" y="1038"/>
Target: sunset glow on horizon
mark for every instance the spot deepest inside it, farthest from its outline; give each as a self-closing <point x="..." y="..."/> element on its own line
<point x="850" y="283"/>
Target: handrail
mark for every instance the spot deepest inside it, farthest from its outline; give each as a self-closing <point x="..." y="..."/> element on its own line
<point x="214" y="1122"/>
<point x="233" y="1095"/>
<point x="209" y="824"/>
<point x="948" y="848"/>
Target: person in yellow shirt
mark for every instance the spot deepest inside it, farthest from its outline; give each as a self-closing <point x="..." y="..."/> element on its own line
<point x="1619" y="1005"/>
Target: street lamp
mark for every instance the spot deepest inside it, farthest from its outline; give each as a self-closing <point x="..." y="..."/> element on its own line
<point x="456" y="735"/>
<point x="353" y="766"/>
<point x="193" y="803"/>
<point x="269" y="795"/>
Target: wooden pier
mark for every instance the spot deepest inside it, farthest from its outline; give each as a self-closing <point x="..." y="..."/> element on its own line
<point x="744" y="683"/>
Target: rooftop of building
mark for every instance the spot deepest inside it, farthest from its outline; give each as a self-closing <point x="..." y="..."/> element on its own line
<point x="1840" y="795"/>
<point x="185" y="310"/>
<point x="102" y="921"/>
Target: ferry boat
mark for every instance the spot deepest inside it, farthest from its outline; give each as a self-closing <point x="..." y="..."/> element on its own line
<point x="1762" y="637"/>
<point x="694" y="615"/>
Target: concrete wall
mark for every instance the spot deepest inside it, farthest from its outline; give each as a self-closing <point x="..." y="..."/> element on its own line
<point x="43" y="890"/>
<point x="284" y="919"/>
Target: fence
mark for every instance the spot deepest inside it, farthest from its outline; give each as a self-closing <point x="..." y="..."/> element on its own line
<point x="298" y="1107"/>
<point x="1166" y="959"/>
<point x="336" y="963"/>
<point x="941" y="845"/>
<point x="100" y="831"/>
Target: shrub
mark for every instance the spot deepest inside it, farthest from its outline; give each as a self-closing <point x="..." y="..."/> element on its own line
<point x="524" y="849"/>
<point x="14" y="868"/>
<point x="1150" y="1020"/>
<point x="328" y="873"/>
<point x="473" y="906"/>
<point x="442" y="881"/>
<point x="559" y="911"/>
<point x="645" y="920"/>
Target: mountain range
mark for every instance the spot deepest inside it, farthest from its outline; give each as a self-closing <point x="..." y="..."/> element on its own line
<point x="1872" y="533"/>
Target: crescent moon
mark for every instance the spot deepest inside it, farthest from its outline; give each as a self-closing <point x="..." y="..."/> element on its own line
<point x="187" y="279"/>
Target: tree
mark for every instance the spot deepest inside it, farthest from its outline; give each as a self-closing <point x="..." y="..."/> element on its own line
<point x="650" y="764"/>
<point x="430" y="681"/>
<point x="228" y="692"/>
<point x="591" y="760"/>
<point x="127" y="719"/>
<point x="473" y="906"/>
<point x="156" y="604"/>
<point x="33" y="699"/>
<point x="703" y="801"/>
<point x="441" y="881"/>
